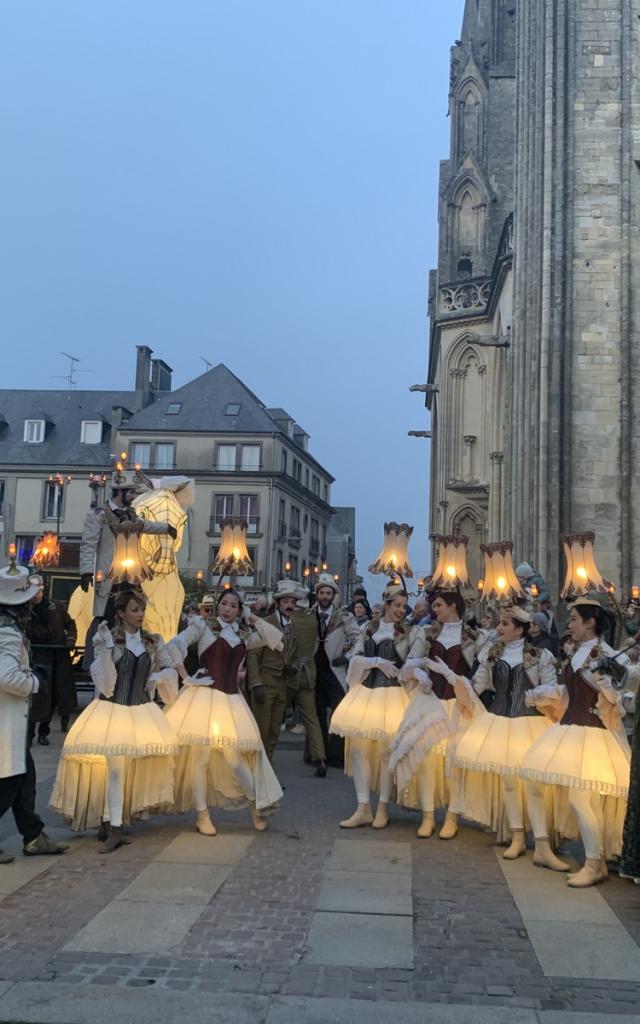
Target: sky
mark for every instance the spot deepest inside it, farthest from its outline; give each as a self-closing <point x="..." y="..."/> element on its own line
<point x="251" y="182"/>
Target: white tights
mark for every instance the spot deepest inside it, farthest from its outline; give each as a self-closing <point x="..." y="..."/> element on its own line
<point x="114" y="794"/>
<point x="587" y="807"/>
<point x="515" y="793"/>
<point x="200" y="756"/>
<point x="361" y="751"/>
<point x="427" y="785"/>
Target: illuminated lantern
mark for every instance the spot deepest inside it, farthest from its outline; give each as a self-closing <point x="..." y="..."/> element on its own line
<point x="500" y="582"/>
<point x="47" y="551"/>
<point x="394" y="557"/>
<point x="233" y="557"/>
<point x="451" y="571"/>
<point x="582" y="575"/>
<point x="129" y="564"/>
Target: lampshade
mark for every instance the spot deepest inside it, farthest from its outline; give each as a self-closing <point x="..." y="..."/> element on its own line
<point x="233" y="557"/>
<point x="394" y="556"/>
<point x="451" y="571"/>
<point x="582" y="575"/>
<point x="129" y="563"/>
<point x="47" y="551"/>
<point x="500" y="582"/>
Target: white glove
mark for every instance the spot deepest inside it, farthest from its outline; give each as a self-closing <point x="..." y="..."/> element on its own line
<point x="441" y="668"/>
<point x="104" y="633"/>
<point x="388" y="668"/>
<point x="199" y="679"/>
<point x="422" y="680"/>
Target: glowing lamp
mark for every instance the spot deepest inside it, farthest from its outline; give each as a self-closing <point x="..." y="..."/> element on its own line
<point x="307" y="573"/>
<point x="635" y="593"/>
<point x="287" y="566"/>
<point x="480" y="586"/>
<point x="199" y="575"/>
<point x="500" y="582"/>
<point x="99" y="576"/>
<point x="233" y="556"/>
<point x="394" y="555"/>
<point x="324" y="566"/>
<point x="336" y="577"/>
<point x="47" y="551"/>
<point x="12" y="551"/>
<point x="451" y="571"/>
<point x="129" y="564"/>
<point x="534" y="590"/>
<point x="582" y="574"/>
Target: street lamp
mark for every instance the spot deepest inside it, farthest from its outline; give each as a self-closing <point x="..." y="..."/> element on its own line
<point x="59" y="481"/>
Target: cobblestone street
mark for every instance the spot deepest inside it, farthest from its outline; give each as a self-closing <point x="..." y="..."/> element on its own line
<point x="291" y="913"/>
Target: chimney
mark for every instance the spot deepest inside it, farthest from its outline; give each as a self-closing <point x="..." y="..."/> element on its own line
<point x="143" y="375"/>
<point x="160" y="377"/>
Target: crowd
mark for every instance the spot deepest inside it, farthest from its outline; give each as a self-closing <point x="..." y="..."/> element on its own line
<point x="489" y="716"/>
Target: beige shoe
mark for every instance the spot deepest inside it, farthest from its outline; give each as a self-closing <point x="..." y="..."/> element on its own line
<point x="260" y="824"/>
<point x="204" y="824"/>
<point x="426" y="828"/>
<point x="450" y="828"/>
<point x="518" y="845"/>
<point x="361" y="816"/>
<point x="544" y="857"/>
<point x="381" y="819"/>
<point x="591" y="873"/>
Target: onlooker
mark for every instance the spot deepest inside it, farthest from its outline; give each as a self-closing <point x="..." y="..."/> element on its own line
<point x="421" y="616"/>
<point x="361" y="611"/>
<point x="52" y="633"/>
<point x="528" y="578"/>
<point x="539" y="632"/>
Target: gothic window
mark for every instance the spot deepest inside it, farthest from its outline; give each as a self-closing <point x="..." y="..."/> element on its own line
<point x="467" y="226"/>
<point x="465" y="265"/>
<point x="469" y="134"/>
<point x="469" y="522"/>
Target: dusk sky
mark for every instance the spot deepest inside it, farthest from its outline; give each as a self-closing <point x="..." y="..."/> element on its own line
<point x="250" y="182"/>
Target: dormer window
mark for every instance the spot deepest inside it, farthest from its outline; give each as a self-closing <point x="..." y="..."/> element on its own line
<point x="34" y="431"/>
<point x="173" y="409"/>
<point x="232" y="409"/>
<point x="91" y="432"/>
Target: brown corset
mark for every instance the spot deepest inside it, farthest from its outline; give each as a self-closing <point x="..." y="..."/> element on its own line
<point x="455" y="660"/>
<point x="222" y="663"/>
<point x="582" y="701"/>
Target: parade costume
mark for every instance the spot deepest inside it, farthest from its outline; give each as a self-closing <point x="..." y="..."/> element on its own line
<point x="630" y="859"/>
<point x="413" y="757"/>
<point x="372" y="710"/>
<point x="222" y="760"/>
<point x="117" y="760"/>
<point x="586" y="753"/>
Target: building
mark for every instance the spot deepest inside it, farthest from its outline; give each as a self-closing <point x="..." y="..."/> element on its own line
<point x="342" y="550"/>
<point x="247" y="460"/>
<point x="534" y="347"/>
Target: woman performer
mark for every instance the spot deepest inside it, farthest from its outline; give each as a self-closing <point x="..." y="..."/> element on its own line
<point x="116" y="761"/>
<point x="587" y="752"/>
<point x="496" y="741"/>
<point x="410" y="756"/>
<point x="222" y="760"/>
<point x="369" y="716"/>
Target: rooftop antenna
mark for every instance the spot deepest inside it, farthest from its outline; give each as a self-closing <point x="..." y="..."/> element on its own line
<point x="206" y="363"/>
<point x="70" y="377"/>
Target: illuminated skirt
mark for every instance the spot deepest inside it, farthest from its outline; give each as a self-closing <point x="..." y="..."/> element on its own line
<point x="493" y="743"/>
<point x="204" y="715"/>
<point x="426" y="727"/>
<point x="370" y="714"/>
<point x="579" y="757"/>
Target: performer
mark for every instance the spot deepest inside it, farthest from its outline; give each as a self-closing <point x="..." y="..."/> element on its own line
<point x="587" y="752"/>
<point x="116" y="761"/>
<point x="338" y="632"/>
<point x="52" y="630"/>
<point x="496" y="740"/>
<point x="453" y="641"/>
<point x="97" y="545"/>
<point x="372" y="710"/>
<point x="630" y="859"/>
<point x="301" y="689"/>
<point x="222" y="760"/>
<point x="17" y="685"/>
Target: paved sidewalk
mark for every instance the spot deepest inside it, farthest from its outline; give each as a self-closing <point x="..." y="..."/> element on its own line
<point x="306" y="922"/>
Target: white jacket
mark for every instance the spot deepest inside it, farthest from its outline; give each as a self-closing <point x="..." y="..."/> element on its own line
<point x="17" y="683"/>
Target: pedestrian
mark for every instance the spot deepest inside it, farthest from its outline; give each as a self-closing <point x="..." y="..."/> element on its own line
<point x="117" y="762"/>
<point x="17" y="686"/>
<point x="52" y="634"/>
<point x="586" y="753"/>
<point x="222" y="761"/>
<point x="369" y="716"/>
<point x="362" y="612"/>
<point x="338" y="632"/>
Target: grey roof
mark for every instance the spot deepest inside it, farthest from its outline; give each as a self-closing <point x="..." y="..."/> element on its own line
<point x="204" y="401"/>
<point x="63" y="412"/>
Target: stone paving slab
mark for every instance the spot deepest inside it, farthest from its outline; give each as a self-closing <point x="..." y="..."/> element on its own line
<point x="358" y="854"/>
<point x="360" y="940"/>
<point x="579" y="951"/>
<point x="136" y="927"/>
<point x="22" y="870"/>
<point x="342" y="1011"/>
<point x="558" y="902"/>
<point x="165" y="883"/>
<point x="192" y="848"/>
<point x="370" y="892"/>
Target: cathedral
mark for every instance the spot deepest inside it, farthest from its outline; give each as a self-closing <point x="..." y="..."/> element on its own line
<point x="534" y="332"/>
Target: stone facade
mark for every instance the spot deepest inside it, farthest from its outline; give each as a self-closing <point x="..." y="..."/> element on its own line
<point x="561" y="394"/>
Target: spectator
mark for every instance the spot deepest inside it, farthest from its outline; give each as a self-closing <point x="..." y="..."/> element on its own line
<point x="52" y="633"/>
<point x="421" y="616"/>
<point x="539" y="632"/>
<point x="528" y="577"/>
<point x="361" y="611"/>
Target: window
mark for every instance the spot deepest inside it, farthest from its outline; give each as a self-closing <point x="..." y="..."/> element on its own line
<point x="222" y="509"/>
<point x="34" y="431"/>
<point x="91" y="432"/>
<point x="314" y="541"/>
<point x="226" y="457"/>
<point x="165" y="456"/>
<point x="316" y="485"/>
<point x="284" y="461"/>
<point x="306" y="478"/>
<point x="294" y="566"/>
<point x="52" y="504"/>
<point x="250" y="456"/>
<point x="297" y="470"/>
<point x="232" y="409"/>
<point x="282" y="525"/>
<point x="294" y="521"/>
<point x="324" y="542"/>
<point x="279" y="565"/>
<point x="25" y="546"/>
<point x="249" y="511"/>
<point x="326" y="492"/>
<point x="141" y="455"/>
<point x="2" y="485"/>
<point x="173" y="408"/>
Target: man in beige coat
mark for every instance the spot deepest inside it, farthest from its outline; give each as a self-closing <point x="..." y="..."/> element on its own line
<point x="17" y="684"/>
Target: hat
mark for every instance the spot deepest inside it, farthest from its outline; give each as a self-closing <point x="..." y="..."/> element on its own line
<point x="393" y="590"/>
<point x="325" y="579"/>
<point x="586" y="602"/>
<point x="288" y="588"/>
<point x="130" y="480"/>
<point x="524" y="571"/>
<point x="541" y="622"/>
<point x="208" y="601"/>
<point x="37" y="581"/>
<point x="518" y="614"/>
<point x="16" y="585"/>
